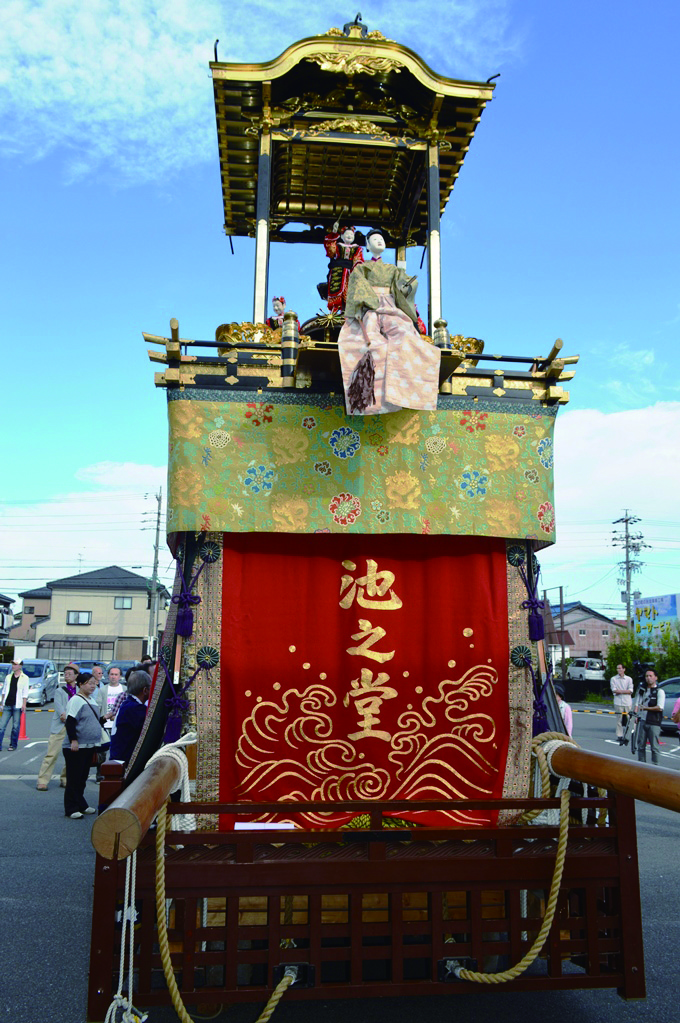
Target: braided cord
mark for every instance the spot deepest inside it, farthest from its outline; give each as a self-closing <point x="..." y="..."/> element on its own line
<point x="532" y="954"/>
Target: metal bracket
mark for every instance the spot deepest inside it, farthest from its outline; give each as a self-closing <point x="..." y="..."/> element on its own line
<point x="446" y="968"/>
<point x="306" y="974"/>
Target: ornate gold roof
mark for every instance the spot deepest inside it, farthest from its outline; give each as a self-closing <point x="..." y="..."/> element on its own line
<point x="350" y="120"/>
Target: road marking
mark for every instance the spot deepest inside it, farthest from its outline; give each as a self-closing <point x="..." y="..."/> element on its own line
<point x="33" y="777"/>
<point x="36" y="742"/>
<point x="578" y="710"/>
<point x="31" y="759"/>
<point x="673" y="754"/>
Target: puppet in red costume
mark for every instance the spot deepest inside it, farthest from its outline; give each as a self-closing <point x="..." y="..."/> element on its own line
<point x="343" y="255"/>
<point x="279" y="307"/>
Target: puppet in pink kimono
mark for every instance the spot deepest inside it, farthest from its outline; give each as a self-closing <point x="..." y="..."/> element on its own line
<point x="386" y="364"/>
<point x="344" y="255"/>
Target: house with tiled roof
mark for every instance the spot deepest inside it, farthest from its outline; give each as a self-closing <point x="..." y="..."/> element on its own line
<point x="6" y="618"/>
<point x="102" y="615"/>
<point x="587" y="633"/>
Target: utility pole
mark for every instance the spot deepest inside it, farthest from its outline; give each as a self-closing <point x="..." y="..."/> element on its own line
<point x="562" y="643"/>
<point x="632" y="544"/>
<point x="153" y="602"/>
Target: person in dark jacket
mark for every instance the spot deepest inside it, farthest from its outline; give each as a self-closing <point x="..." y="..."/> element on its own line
<point x="129" y="722"/>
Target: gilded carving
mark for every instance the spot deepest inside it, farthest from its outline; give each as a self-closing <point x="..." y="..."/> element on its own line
<point x="469" y="345"/>
<point x="355" y="63"/>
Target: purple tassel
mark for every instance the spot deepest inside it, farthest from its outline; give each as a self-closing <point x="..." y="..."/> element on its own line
<point x="185" y="600"/>
<point x="534" y="606"/>
<point x="536" y="629"/>
<point x="184" y="625"/>
<point x="178" y="707"/>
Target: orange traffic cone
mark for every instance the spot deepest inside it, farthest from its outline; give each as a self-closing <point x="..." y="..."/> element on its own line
<point x="22" y="727"/>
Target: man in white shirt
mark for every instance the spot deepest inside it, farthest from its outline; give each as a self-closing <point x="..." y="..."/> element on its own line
<point x="13" y="697"/>
<point x="622" y="688"/>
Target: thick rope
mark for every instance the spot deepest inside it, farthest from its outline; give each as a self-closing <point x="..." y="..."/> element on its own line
<point x="532" y="954"/>
<point x="175" y="751"/>
<point x="164" y="945"/>
<point x="538" y="750"/>
<point x="121" y="1009"/>
<point x="276" y="996"/>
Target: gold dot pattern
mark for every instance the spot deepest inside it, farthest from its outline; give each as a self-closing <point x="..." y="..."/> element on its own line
<point x="323" y="675"/>
<point x="452" y="664"/>
<point x="467" y="632"/>
<point x="292" y="649"/>
<point x="306" y="665"/>
<point x="419" y="689"/>
<point x="277" y="685"/>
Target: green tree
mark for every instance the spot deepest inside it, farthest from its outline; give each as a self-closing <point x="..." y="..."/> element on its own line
<point x="663" y="652"/>
<point x="625" y="650"/>
<point x="668" y="659"/>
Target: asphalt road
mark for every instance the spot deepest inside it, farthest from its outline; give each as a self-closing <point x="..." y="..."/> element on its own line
<point x="46" y="862"/>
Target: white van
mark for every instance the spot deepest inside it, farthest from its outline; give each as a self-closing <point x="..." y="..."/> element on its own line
<point x="589" y="669"/>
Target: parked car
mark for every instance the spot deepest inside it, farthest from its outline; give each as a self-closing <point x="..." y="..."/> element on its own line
<point x="584" y="674"/>
<point x="671" y="687"/>
<point x="590" y="669"/>
<point x="43" y="680"/>
<point x="4" y="668"/>
<point x="87" y="665"/>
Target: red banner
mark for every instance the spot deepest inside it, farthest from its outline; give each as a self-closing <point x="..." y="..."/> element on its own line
<point x="364" y="667"/>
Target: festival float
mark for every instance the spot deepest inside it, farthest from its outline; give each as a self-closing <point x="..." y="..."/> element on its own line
<point x="383" y="800"/>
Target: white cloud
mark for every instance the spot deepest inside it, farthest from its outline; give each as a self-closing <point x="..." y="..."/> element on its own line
<point x="606" y="463"/>
<point x="111" y="523"/>
<point x="121" y="87"/>
<point x="629" y="358"/>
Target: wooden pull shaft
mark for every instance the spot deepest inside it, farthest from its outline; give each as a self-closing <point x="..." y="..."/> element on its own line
<point x="651" y="784"/>
<point x="121" y="827"/>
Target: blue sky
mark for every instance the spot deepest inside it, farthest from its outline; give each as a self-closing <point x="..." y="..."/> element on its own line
<point x="564" y="222"/>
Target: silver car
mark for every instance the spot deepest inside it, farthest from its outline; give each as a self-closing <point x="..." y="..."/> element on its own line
<point x="42" y="680"/>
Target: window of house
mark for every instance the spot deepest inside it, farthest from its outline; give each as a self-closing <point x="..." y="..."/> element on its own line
<point x="605" y="632"/>
<point x="122" y="603"/>
<point x="78" y="617"/>
<point x="581" y="632"/>
<point x="29" y="610"/>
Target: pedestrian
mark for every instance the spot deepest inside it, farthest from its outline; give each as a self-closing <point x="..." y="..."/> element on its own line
<point x="83" y="736"/>
<point x="129" y="722"/>
<point x="649" y="708"/>
<point x="98" y="674"/>
<point x="13" y="700"/>
<point x="62" y="695"/>
<point x="565" y="709"/>
<point x="622" y="689"/>
<point x="110" y="698"/>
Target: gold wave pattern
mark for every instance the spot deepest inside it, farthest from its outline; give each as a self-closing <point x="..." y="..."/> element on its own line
<point x="334" y="769"/>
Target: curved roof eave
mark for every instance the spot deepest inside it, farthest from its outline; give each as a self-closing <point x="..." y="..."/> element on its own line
<point x="333" y="48"/>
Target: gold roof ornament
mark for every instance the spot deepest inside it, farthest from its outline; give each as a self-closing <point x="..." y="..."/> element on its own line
<point x="348" y="119"/>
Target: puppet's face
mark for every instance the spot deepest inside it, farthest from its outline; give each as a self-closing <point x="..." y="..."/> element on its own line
<point x="376" y="244"/>
<point x="347" y="236"/>
<point x="278" y="306"/>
